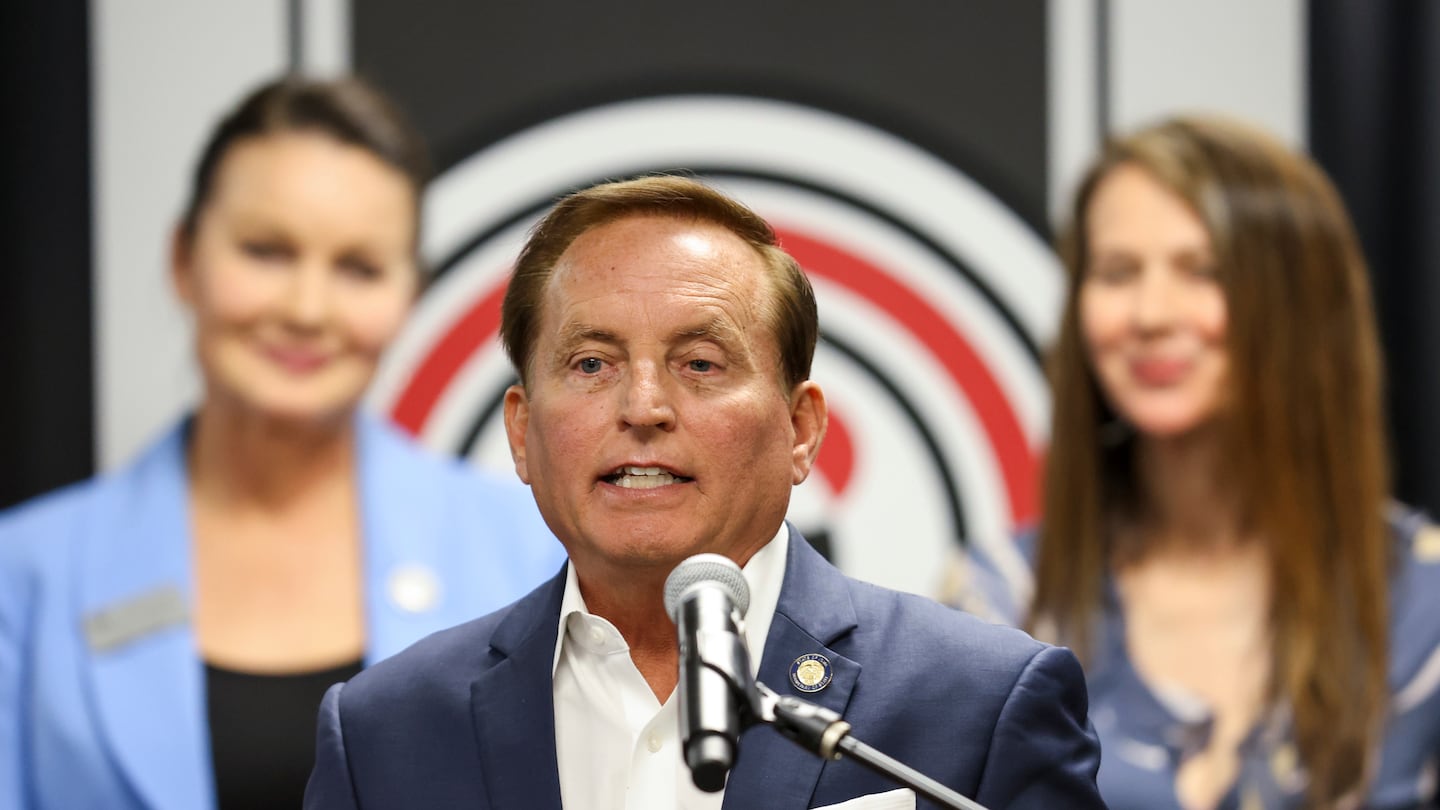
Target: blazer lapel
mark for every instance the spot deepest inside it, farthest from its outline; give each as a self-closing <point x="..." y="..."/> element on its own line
<point x="424" y="571"/>
<point x="404" y="577"/>
<point x="137" y="640"/>
<point x="513" y="708"/>
<point x="813" y="613"/>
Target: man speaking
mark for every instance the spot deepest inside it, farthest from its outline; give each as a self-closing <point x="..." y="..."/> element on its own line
<point x="663" y="342"/>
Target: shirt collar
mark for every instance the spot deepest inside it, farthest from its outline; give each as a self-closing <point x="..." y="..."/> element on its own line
<point x="764" y="573"/>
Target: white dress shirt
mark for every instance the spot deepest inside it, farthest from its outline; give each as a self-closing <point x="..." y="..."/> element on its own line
<point x="616" y="746"/>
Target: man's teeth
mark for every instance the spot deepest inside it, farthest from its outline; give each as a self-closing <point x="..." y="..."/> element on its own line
<point x="643" y="478"/>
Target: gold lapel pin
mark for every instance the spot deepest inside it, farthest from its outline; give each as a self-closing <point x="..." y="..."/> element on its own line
<point x="811" y="672"/>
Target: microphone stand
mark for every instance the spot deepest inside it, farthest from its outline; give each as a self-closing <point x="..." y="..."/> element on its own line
<point x="814" y="728"/>
<point x="823" y="733"/>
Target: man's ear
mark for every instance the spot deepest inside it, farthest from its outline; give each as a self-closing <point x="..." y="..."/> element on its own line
<point x="808" y="419"/>
<point x="182" y="265"/>
<point x="517" y="420"/>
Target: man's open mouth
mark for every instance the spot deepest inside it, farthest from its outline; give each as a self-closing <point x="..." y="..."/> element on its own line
<point x="643" y="478"/>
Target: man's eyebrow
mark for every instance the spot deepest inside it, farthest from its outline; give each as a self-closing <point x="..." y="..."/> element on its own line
<point x="574" y="334"/>
<point x="725" y="334"/>
<point x="717" y="329"/>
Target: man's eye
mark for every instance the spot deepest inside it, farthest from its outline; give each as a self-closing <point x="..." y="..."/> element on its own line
<point x="590" y="365"/>
<point x="701" y="365"/>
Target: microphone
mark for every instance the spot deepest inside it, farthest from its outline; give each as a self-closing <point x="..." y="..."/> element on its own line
<point x="707" y="596"/>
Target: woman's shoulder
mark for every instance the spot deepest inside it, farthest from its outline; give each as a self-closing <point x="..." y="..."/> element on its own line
<point x="400" y="469"/>
<point x="40" y="524"/>
<point x="1416" y="553"/>
<point x="404" y="459"/>
<point x="47" y="525"/>
<point x="1415" y="607"/>
<point x="1414" y="638"/>
<point x="407" y="482"/>
<point x="992" y="577"/>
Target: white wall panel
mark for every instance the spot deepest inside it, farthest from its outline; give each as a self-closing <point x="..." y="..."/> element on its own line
<point x="163" y="71"/>
<point x="1241" y="57"/>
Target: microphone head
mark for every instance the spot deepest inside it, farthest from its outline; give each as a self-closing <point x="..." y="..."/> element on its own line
<point x="720" y="571"/>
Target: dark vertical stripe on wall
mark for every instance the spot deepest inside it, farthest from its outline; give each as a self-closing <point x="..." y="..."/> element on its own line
<point x="1104" y="69"/>
<point x="1375" y="127"/>
<point x="47" y="433"/>
<point x="295" y="35"/>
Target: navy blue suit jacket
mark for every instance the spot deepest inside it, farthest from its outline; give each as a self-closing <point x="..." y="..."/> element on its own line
<point x="465" y="717"/>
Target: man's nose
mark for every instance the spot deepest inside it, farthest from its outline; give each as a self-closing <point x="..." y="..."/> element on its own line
<point x="647" y="400"/>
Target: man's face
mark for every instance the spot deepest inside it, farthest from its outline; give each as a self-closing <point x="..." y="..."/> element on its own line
<point x="655" y="424"/>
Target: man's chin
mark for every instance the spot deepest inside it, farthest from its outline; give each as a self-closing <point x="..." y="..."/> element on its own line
<point x="645" y="545"/>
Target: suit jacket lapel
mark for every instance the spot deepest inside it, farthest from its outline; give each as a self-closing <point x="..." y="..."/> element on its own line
<point x="517" y="741"/>
<point x="136" y="637"/>
<point x="513" y="708"/>
<point x="814" y="612"/>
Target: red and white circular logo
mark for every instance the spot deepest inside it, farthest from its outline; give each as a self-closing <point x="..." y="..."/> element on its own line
<point x="933" y="298"/>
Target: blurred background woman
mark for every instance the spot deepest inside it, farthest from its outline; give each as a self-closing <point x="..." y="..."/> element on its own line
<point x="166" y="631"/>
<point x="1260" y="625"/>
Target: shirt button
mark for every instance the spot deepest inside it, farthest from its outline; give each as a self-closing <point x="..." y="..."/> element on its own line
<point x="597" y="635"/>
<point x="653" y="743"/>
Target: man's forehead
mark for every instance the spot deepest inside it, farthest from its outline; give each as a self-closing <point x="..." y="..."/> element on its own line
<point x="668" y="254"/>
<point x="717" y="327"/>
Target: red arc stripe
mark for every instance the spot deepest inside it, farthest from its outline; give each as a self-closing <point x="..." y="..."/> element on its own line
<point x="479" y="324"/>
<point x="948" y="347"/>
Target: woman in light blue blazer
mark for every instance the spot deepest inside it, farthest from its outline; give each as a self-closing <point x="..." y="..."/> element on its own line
<point x="166" y="630"/>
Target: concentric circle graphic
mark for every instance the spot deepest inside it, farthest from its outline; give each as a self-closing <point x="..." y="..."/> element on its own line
<point x="934" y="298"/>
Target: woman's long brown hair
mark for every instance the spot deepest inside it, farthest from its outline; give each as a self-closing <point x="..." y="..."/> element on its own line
<point x="1304" y="437"/>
